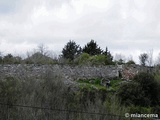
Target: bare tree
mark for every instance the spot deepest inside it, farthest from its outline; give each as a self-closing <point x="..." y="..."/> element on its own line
<point x="43" y="49"/>
<point x="143" y="59"/>
<point x="119" y="58"/>
<point x="150" y="57"/>
<point x="158" y="59"/>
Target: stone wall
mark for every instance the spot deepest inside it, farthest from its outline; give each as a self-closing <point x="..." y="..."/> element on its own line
<point x="129" y="71"/>
<point x="71" y="72"/>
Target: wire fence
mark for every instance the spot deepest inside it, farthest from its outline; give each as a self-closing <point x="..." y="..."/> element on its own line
<point x="25" y="112"/>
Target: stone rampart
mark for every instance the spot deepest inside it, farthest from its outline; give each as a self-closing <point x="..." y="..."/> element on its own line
<point x="71" y="72"/>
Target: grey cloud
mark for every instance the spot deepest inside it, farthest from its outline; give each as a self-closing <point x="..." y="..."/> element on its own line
<point x="123" y="26"/>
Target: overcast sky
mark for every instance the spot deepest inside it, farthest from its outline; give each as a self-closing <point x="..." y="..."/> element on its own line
<point x="127" y="27"/>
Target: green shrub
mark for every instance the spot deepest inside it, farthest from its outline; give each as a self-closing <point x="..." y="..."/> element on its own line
<point x="150" y="86"/>
<point x="132" y="93"/>
<point x="142" y="91"/>
<point x="139" y="109"/>
<point x="83" y="58"/>
<point x="1" y="59"/>
<point x="9" y="90"/>
<point x="98" y="60"/>
<point x="130" y="62"/>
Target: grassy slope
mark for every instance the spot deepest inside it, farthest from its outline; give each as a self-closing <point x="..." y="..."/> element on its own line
<point x="95" y="84"/>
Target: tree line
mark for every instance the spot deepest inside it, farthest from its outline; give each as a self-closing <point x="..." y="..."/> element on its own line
<point x="72" y="53"/>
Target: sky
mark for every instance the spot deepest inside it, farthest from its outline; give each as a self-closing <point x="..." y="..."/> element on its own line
<point x="126" y="27"/>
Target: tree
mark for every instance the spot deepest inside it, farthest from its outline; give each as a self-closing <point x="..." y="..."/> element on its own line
<point x="120" y="59"/>
<point x="8" y="59"/>
<point x="109" y="57"/>
<point x="150" y="57"/>
<point x="143" y="59"/>
<point x="71" y="50"/>
<point x="131" y="93"/>
<point x="1" y="59"/>
<point x="41" y="55"/>
<point x="92" y="48"/>
<point x="130" y="62"/>
<point x="158" y="60"/>
<point x="42" y="49"/>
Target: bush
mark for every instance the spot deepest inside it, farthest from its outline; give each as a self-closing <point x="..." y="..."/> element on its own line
<point x="98" y="59"/>
<point x="149" y="85"/>
<point x="83" y="58"/>
<point x="8" y="59"/>
<point x="1" y="59"/>
<point x="130" y="62"/>
<point x="9" y="90"/>
<point x="142" y="91"/>
<point x="131" y="93"/>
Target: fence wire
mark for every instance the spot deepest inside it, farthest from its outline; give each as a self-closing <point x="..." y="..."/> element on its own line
<point x="25" y="112"/>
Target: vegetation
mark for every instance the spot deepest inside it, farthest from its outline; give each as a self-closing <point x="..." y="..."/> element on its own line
<point x="72" y="53"/>
<point x="39" y="58"/>
<point x="143" y="59"/>
<point x="109" y="57"/>
<point x="10" y="59"/>
<point x="130" y="62"/>
<point x="71" y="50"/>
<point x="95" y="83"/>
<point x="142" y="91"/>
<point x="47" y="96"/>
<point x="92" y="48"/>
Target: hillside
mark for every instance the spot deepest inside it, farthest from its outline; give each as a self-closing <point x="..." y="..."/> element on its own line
<point x="64" y="92"/>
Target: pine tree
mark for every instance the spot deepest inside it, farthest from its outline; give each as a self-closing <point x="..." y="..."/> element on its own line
<point x="109" y="57"/>
<point x="71" y="50"/>
<point x="92" y="48"/>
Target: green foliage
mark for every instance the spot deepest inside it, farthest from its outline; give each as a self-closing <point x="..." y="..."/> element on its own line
<point x="97" y="59"/>
<point x="120" y="61"/>
<point x="150" y="86"/>
<point x="130" y="62"/>
<point x="71" y="50"/>
<point x="9" y="90"/>
<point x="10" y="59"/>
<point x="1" y="59"/>
<point x="47" y="90"/>
<point x="109" y="57"/>
<point x="131" y="93"/>
<point x="142" y="91"/>
<point x="38" y="58"/>
<point x="95" y="83"/>
<point x="139" y="109"/>
<point x="92" y="48"/>
<point x="91" y="84"/>
<point x="83" y="58"/>
<point x="115" y="83"/>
